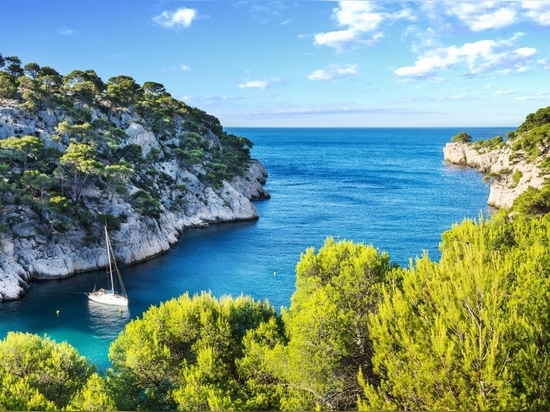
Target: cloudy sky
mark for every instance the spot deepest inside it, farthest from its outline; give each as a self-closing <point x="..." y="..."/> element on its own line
<point x="305" y="63"/>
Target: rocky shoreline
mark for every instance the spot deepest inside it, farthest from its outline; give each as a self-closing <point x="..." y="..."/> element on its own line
<point x="26" y="253"/>
<point x="32" y="247"/>
<point x="509" y="176"/>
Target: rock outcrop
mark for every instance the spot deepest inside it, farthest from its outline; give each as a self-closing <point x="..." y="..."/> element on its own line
<point x="509" y="175"/>
<point x="32" y="247"/>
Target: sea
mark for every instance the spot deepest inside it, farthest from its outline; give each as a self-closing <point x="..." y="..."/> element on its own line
<point x="388" y="187"/>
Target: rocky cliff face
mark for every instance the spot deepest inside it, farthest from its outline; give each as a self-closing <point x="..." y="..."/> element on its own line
<point x="30" y="246"/>
<point x="509" y="175"/>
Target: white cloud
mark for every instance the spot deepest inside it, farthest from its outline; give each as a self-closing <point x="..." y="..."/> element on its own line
<point x="181" y="17"/>
<point x="364" y="22"/>
<point x="538" y="11"/>
<point x="544" y="63"/>
<point x="526" y="51"/>
<point x="360" y="21"/>
<point x="358" y="15"/>
<point x="333" y="73"/>
<point x="483" y="15"/>
<point x="185" y="68"/>
<point x="335" y="39"/>
<point x="497" y="19"/>
<point x="254" y="84"/>
<point x="66" y="32"/>
<point x="479" y="57"/>
<point x="423" y="37"/>
<point x="504" y="92"/>
<point x="534" y="97"/>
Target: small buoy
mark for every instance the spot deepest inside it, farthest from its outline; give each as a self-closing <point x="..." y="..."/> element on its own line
<point x="120" y="310"/>
<point x="274" y="273"/>
<point x="57" y="312"/>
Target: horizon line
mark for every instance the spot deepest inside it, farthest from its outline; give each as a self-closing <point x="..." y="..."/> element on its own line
<point x="366" y="127"/>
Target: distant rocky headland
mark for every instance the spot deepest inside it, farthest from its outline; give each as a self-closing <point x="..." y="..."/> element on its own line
<point x="513" y="166"/>
<point x="504" y="187"/>
<point x="77" y="153"/>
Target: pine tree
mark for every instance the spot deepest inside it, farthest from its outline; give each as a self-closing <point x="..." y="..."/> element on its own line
<point x="471" y="331"/>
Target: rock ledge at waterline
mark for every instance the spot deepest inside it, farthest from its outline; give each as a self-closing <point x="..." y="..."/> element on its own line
<point x="503" y="190"/>
<point x="26" y="253"/>
<point x="30" y="248"/>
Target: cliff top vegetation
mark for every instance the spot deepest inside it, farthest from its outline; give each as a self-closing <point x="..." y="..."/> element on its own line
<point x="71" y="141"/>
<point x="529" y="143"/>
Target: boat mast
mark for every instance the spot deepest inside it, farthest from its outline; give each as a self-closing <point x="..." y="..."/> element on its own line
<point x="109" y="258"/>
<point x="113" y="266"/>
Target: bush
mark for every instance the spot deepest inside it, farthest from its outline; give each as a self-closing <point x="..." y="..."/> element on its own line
<point x="497" y="176"/>
<point x="461" y="137"/>
<point x="535" y="142"/>
<point x="57" y="371"/>
<point x="472" y="330"/>
<point x="516" y="177"/>
<point x="111" y="221"/>
<point x="533" y="202"/>
<point x="489" y="144"/>
<point x="541" y="117"/>
<point x="185" y="353"/>
<point x="146" y="205"/>
<point x="8" y="86"/>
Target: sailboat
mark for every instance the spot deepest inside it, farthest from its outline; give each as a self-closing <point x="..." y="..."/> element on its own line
<point x="110" y="296"/>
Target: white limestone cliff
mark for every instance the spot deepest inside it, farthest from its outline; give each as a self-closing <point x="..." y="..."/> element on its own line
<point x="31" y="249"/>
<point x="509" y="178"/>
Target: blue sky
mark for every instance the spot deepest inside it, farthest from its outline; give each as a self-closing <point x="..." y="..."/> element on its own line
<point x="305" y="63"/>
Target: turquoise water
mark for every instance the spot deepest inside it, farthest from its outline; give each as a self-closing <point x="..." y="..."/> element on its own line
<point x="387" y="187"/>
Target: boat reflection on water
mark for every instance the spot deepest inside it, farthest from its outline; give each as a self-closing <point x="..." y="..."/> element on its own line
<point x="107" y="321"/>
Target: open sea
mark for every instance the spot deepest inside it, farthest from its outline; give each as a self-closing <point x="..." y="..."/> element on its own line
<point x="383" y="186"/>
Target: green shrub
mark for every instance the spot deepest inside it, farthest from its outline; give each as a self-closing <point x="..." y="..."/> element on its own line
<point x="146" y="205"/>
<point x="544" y="166"/>
<point x="489" y="144"/>
<point x="516" y="177"/>
<point x="461" y="137"/>
<point x="539" y="118"/>
<point x="533" y="202"/>
<point x="497" y="176"/>
<point x="8" y="86"/>
<point x="111" y="221"/>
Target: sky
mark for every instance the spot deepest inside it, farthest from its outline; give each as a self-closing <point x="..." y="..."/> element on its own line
<point x="305" y="63"/>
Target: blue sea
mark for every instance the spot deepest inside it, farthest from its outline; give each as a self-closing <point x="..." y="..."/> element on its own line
<point x="383" y="186"/>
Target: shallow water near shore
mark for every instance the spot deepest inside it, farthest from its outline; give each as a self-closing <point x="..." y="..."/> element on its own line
<point x="385" y="186"/>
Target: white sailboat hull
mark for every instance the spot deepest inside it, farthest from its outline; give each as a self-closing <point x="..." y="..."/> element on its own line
<point x="108" y="297"/>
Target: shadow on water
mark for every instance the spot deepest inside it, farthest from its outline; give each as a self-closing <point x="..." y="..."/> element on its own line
<point x="107" y="321"/>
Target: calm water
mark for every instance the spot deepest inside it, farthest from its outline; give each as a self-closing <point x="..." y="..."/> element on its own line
<point x="388" y="187"/>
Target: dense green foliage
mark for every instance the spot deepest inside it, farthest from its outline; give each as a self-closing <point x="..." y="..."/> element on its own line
<point x="534" y="202"/>
<point x="534" y="142"/>
<point x="186" y="354"/>
<point x="37" y="373"/>
<point x="461" y="137"/>
<point x="533" y="120"/>
<point x="88" y="149"/>
<point x="326" y="325"/>
<point x="470" y="331"/>
<point x="489" y="144"/>
<point x="532" y="138"/>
